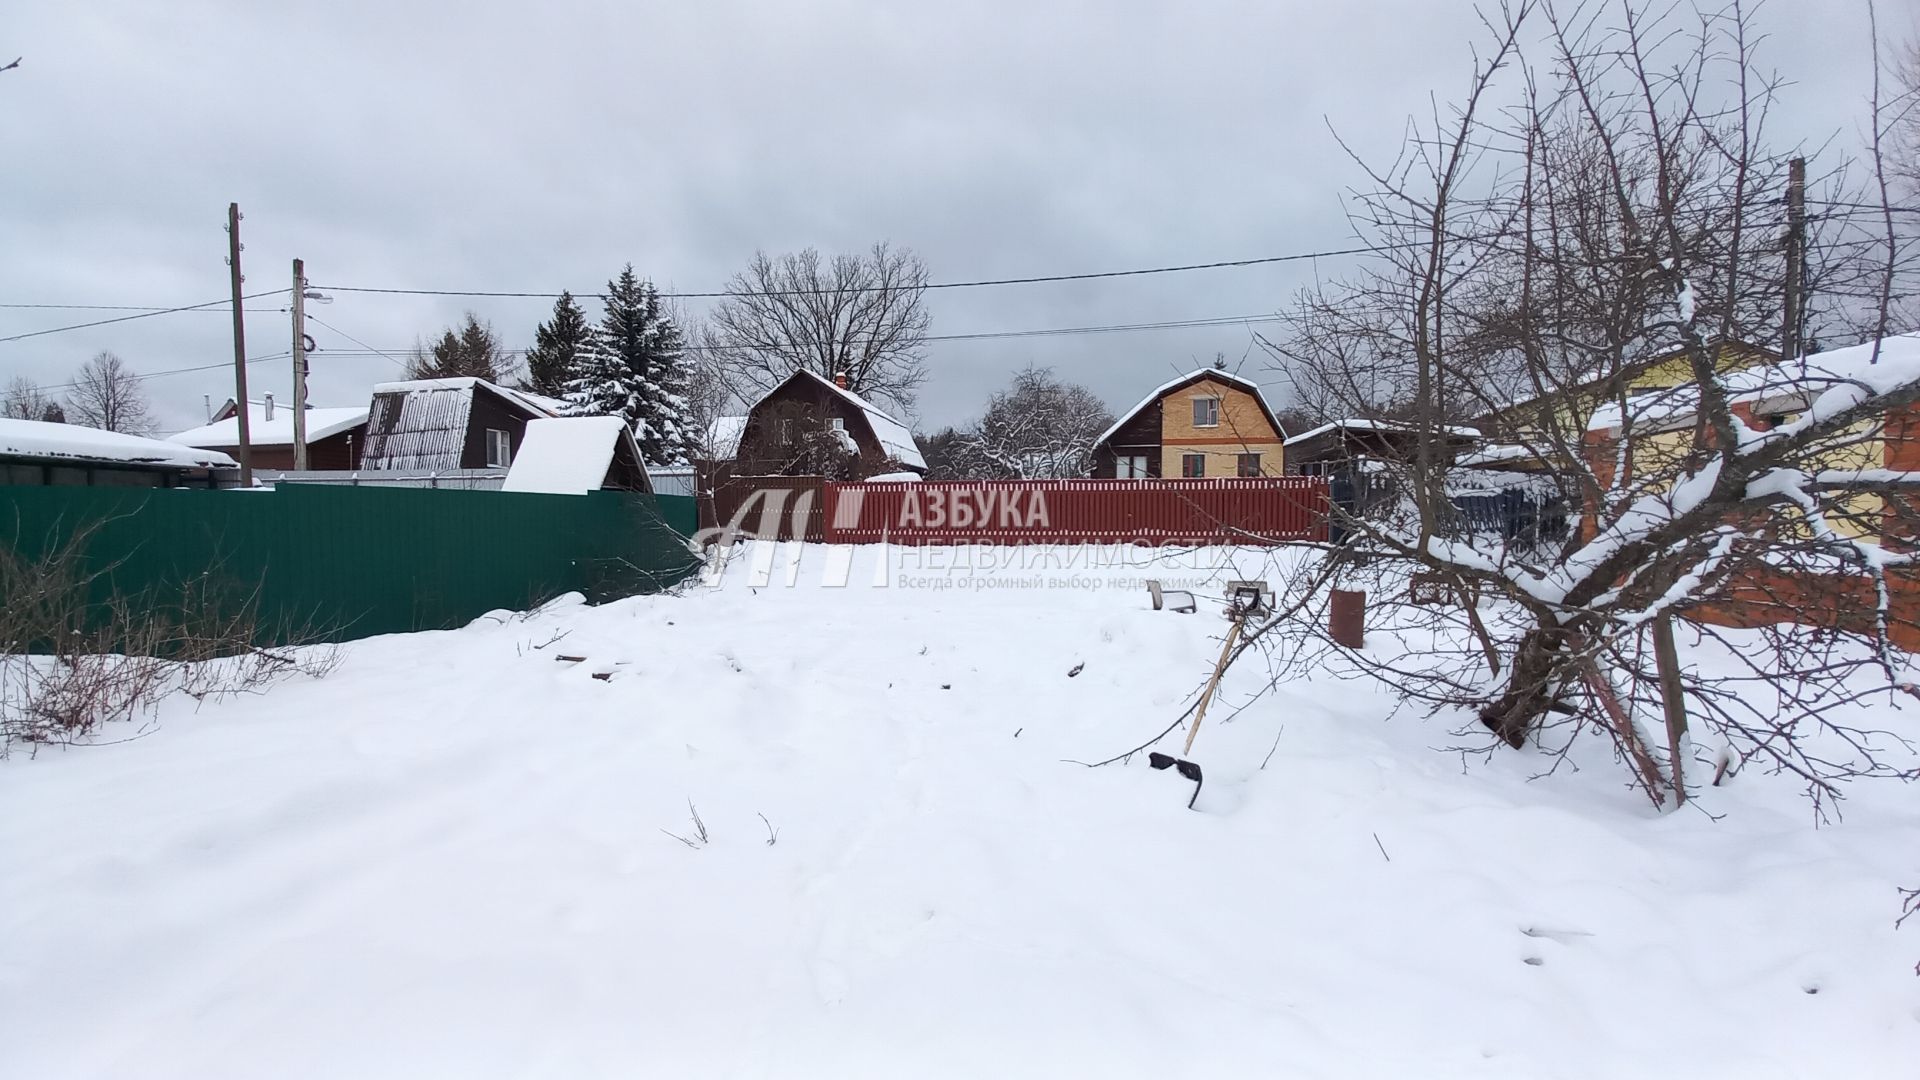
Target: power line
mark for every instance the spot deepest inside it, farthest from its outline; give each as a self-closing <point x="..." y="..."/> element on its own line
<point x="224" y="364"/>
<point x="142" y="315"/>
<point x="981" y="283"/>
<point x="151" y="309"/>
<point x="360" y="343"/>
<point x="1052" y="331"/>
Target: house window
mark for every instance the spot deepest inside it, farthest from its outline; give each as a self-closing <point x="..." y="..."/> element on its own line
<point x="1313" y="468"/>
<point x="1193" y="465"/>
<point x="1130" y="467"/>
<point x="786" y="431"/>
<point x="499" y="448"/>
<point x="1206" y="412"/>
<point x="1249" y="465"/>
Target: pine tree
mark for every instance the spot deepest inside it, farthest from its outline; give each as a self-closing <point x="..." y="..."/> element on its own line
<point x="559" y="346"/>
<point x="637" y="334"/>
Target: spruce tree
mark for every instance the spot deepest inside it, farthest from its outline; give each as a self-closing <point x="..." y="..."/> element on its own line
<point x="600" y="384"/>
<point x="638" y="334"/>
<point x="471" y="351"/>
<point x="559" y="346"/>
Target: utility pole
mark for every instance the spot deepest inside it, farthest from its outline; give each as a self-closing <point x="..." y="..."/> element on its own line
<point x="299" y="365"/>
<point x="1796" y="301"/>
<point x="239" y="346"/>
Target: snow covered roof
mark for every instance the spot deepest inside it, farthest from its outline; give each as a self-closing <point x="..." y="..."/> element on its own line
<point x="895" y="440"/>
<point x="1380" y="427"/>
<point x="278" y="431"/>
<point x="568" y="455"/>
<point x="534" y="402"/>
<point x="723" y="436"/>
<point x="1191" y="377"/>
<point x="1781" y="387"/>
<point x="71" y="442"/>
<point x="1495" y="452"/>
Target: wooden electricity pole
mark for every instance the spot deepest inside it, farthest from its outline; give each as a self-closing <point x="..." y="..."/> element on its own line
<point x="1796" y="303"/>
<point x="239" y="346"/>
<point x="299" y="365"/>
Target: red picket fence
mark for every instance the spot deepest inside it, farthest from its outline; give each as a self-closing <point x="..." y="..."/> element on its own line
<point x="1251" y="511"/>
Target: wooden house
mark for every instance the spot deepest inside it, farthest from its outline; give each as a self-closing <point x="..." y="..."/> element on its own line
<point x="1207" y="423"/>
<point x="336" y="438"/>
<point x="1335" y="448"/>
<point x="812" y="426"/>
<point x="459" y="423"/>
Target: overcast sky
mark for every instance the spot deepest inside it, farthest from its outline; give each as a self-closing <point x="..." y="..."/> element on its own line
<point x="540" y="146"/>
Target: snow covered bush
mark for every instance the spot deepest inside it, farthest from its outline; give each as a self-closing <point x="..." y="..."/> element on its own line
<point x="72" y="661"/>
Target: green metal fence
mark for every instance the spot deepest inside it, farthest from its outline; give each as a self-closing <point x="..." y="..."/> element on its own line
<point x="326" y="563"/>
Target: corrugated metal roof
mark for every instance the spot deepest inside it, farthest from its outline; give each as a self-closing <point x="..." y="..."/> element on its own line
<point x="418" y="425"/>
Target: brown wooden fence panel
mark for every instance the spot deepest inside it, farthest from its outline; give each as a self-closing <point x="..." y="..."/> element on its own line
<point x="1251" y="511"/>
<point x="776" y="507"/>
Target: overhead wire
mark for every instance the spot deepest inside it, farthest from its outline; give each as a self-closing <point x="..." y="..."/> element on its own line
<point x="142" y="315"/>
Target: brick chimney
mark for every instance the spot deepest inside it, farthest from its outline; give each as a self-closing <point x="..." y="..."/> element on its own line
<point x="840" y="379"/>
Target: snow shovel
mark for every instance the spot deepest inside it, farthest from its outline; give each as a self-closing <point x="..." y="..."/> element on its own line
<point x="1248" y="600"/>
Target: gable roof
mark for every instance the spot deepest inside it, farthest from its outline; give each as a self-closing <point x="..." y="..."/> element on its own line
<point x="422" y="423"/>
<point x="321" y="423"/>
<point x="72" y="442"/>
<point x="894" y="438"/>
<point x="570" y="455"/>
<point x="1188" y="379"/>
<point x="533" y="403"/>
<point x="1380" y="427"/>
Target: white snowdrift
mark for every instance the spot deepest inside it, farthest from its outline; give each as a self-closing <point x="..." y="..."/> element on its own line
<point x="448" y="860"/>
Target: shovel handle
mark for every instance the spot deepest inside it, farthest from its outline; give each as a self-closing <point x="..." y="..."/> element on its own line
<point x="1206" y="696"/>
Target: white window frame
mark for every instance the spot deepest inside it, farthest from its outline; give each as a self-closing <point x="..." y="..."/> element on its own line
<point x="786" y="431"/>
<point x="499" y="448"/>
<point x="1130" y="466"/>
<point x="1214" y="402"/>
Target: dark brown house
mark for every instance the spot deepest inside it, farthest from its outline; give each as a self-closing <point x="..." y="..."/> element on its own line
<point x="435" y="424"/>
<point x="1333" y="448"/>
<point x="809" y="426"/>
<point x="336" y="438"/>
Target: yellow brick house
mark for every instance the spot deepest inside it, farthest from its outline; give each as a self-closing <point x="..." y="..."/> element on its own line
<point x="1206" y="423"/>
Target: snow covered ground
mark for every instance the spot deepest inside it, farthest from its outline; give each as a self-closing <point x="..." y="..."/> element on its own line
<point x="449" y="858"/>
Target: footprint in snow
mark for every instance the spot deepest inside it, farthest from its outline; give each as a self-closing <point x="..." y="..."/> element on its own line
<point x="1559" y="937"/>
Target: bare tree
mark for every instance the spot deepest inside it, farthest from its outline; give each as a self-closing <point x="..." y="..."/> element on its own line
<point x="861" y="316"/>
<point x="1903" y="119"/>
<point x="1039" y="428"/>
<point x="1621" y="211"/>
<point x="24" y="400"/>
<point x="708" y="395"/>
<point x="107" y="394"/>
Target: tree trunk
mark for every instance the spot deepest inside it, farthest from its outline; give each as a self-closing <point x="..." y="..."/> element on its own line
<point x="1532" y="675"/>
